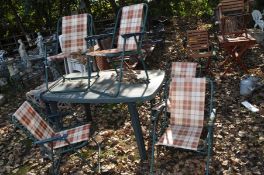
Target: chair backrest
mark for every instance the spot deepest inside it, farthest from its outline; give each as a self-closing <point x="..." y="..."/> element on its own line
<point x="32" y="121"/>
<point x="74" y="30"/>
<point x="198" y="40"/>
<point x="231" y="7"/>
<point x="183" y="69"/>
<point x="133" y="19"/>
<point x="187" y="97"/>
<point x="256" y="15"/>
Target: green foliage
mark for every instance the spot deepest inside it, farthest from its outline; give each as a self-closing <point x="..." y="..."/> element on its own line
<point x="184" y="8"/>
<point x="42" y="15"/>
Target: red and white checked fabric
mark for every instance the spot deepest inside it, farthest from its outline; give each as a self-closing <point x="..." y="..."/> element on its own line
<point x="31" y="120"/>
<point x="187" y="98"/>
<point x="38" y="127"/>
<point x="181" y="137"/>
<point x="74" y="31"/>
<point x="183" y="69"/>
<point x="75" y="135"/>
<point x="131" y="22"/>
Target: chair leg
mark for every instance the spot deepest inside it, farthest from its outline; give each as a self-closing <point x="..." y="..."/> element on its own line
<point x="210" y="137"/>
<point x="99" y="153"/>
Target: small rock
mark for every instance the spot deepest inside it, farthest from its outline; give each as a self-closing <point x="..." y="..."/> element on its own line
<point x="242" y="133"/>
<point x="261" y="139"/>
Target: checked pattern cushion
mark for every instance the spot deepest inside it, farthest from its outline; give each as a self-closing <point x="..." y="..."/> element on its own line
<point x="38" y="127"/>
<point x="187" y="98"/>
<point x="131" y="22"/>
<point x="74" y="31"/>
<point x="31" y="120"/>
<point x="183" y="69"/>
<point x="75" y="135"/>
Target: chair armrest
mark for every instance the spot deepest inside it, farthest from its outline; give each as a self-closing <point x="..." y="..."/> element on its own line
<point x="158" y="108"/>
<point x="128" y="35"/>
<point x="52" y="139"/>
<point x="101" y="36"/>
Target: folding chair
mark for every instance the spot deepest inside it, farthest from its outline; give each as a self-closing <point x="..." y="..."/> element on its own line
<point x="198" y="46"/>
<point x="186" y="122"/>
<point x="71" y="33"/>
<point x="53" y="144"/>
<point x="129" y="41"/>
<point x="234" y="38"/>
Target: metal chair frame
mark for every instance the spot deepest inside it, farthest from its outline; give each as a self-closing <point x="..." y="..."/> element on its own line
<point x="55" y="155"/>
<point x="138" y="37"/>
<point x="91" y="31"/>
<point x="160" y="112"/>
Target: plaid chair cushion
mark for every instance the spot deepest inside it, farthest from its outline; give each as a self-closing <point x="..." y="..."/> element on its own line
<point x="31" y="120"/>
<point x="75" y="135"/>
<point x="183" y="69"/>
<point x="131" y="22"/>
<point x="181" y="137"/>
<point x="38" y="127"/>
<point x="187" y="98"/>
<point x="74" y="31"/>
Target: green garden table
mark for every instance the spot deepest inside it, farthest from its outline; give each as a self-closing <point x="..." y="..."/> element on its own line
<point x="129" y="94"/>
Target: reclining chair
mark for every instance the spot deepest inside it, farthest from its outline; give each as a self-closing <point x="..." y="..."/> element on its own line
<point x="183" y="129"/>
<point x="53" y="144"/>
<point x="129" y="41"/>
<point x="71" y="33"/>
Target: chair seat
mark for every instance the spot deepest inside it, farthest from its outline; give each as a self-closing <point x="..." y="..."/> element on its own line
<point x="75" y="135"/>
<point x="110" y="52"/>
<point x="201" y="55"/>
<point x="178" y="136"/>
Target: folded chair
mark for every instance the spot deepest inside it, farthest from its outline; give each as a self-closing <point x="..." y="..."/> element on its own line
<point x="129" y="41"/>
<point x="71" y="33"/>
<point x="186" y="118"/>
<point x="53" y="144"/>
<point x="198" y="46"/>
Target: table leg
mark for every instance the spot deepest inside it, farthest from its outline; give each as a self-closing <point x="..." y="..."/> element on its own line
<point x="87" y="108"/>
<point x="137" y="130"/>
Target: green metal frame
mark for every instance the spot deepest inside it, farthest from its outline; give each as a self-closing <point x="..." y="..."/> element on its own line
<point x="91" y="31"/>
<point x="124" y="52"/>
<point x="56" y="155"/>
<point x="162" y="112"/>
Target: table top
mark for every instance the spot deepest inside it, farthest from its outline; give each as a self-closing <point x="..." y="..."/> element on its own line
<point x="129" y="92"/>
